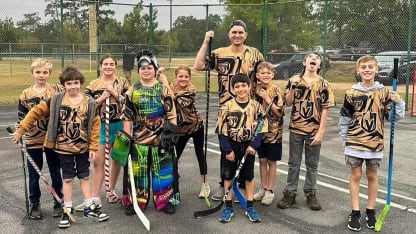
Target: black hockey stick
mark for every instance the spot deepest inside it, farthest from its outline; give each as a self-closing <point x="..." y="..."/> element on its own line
<point x="208" y="62"/>
<point x="202" y="213"/>
<point x="51" y="190"/>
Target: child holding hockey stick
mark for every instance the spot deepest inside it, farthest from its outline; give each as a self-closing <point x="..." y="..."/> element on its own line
<point x="310" y="96"/>
<point x="237" y="122"/>
<point x="150" y="112"/>
<point x="270" y="150"/>
<point x="41" y="70"/>
<point x="73" y="133"/>
<point x="190" y="123"/>
<point x="366" y="102"/>
<point x="112" y="87"/>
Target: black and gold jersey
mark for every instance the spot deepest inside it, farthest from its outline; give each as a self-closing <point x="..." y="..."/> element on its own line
<point x="239" y="124"/>
<point x="28" y="99"/>
<point x="227" y="64"/>
<point x="188" y="118"/>
<point x="96" y="88"/>
<point x="309" y="100"/>
<point x="367" y="110"/>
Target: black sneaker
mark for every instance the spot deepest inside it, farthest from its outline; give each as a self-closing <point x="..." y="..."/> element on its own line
<point x="312" y="201"/>
<point x="129" y="210"/>
<point x="35" y="211"/>
<point x="287" y="200"/>
<point x="92" y="212"/>
<point x="370" y="218"/>
<point x="169" y="208"/>
<point x="57" y="210"/>
<point x="65" y="221"/>
<point x="354" y="221"/>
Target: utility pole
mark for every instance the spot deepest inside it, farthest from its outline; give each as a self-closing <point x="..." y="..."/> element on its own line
<point x="170" y="29"/>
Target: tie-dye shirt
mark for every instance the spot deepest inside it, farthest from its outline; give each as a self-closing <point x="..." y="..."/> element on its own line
<point x="148" y="108"/>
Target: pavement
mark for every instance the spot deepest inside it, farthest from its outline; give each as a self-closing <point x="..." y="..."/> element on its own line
<point x="333" y="190"/>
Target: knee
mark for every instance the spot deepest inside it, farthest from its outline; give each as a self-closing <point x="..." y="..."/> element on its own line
<point x="371" y="175"/>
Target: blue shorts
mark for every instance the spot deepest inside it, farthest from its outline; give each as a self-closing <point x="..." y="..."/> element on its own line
<point x="271" y="151"/>
<point x="114" y="127"/>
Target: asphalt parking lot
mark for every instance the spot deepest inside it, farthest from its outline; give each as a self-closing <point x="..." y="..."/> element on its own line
<point x="333" y="191"/>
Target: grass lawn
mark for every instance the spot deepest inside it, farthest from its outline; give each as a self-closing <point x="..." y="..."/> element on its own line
<point x="15" y="76"/>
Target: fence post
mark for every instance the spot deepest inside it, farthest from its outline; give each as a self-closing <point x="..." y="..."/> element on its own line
<point x="409" y="48"/>
<point x="62" y="34"/>
<point x="265" y="41"/>
<point x="150" y="30"/>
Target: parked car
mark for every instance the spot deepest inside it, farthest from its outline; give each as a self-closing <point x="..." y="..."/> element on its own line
<point x="336" y="54"/>
<point x="292" y="66"/>
<point x="360" y="49"/>
<point x="386" y="64"/>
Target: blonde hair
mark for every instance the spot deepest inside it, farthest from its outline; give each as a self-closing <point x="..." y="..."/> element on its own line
<point x="41" y="62"/>
<point x="366" y="59"/>
<point x="185" y="68"/>
<point x="265" y="64"/>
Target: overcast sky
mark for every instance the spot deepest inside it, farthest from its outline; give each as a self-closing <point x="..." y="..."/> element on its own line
<point x="16" y="9"/>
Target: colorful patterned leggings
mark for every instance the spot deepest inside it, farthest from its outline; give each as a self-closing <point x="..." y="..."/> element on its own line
<point x="149" y="163"/>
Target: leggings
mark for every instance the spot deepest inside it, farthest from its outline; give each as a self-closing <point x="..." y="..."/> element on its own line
<point x="198" y="138"/>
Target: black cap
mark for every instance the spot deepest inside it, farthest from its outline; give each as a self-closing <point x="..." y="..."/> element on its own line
<point x="145" y="57"/>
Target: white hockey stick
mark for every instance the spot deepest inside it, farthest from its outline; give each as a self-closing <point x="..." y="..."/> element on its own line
<point x="136" y="207"/>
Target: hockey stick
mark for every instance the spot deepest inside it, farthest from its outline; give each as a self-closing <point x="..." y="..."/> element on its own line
<point x="237" y="193"/>
<point x="202" y="213"/>
<point x="51" y="190"/>
<point x="176" y="197"/>
<point x="137" y="210"/>
<point x="109" y="193"/>
<point x="207" y="202"/>
<point x="27" y="216"/>
<point x="386" y="209"/>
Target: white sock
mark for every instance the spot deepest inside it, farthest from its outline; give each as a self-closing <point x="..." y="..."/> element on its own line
<point x="68" y="204"/>
<point x="87" y="202"/>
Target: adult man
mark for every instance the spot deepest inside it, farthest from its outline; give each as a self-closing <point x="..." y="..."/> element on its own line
<point x="228" y="61"/>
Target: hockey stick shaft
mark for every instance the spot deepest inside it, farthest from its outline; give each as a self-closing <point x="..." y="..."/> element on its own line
<point x="202" y="213"/>
<point x="386" y="209"/>
<point x="25" y="183"/>
<point x="39" y="172"/>
<point x="109" y="193"/>
<point x="145" y="221"/>
<point x="237" y="193"/>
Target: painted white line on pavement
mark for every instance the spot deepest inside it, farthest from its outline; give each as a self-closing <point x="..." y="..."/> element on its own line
<point x="334" y="187"/>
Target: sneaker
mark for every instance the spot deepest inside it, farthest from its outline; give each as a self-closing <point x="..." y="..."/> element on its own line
<point x="259" y="195"/>
<point x="92" y="212"/>
<point x="226" y="215"/>
<point x="205" y="190"/>
<point x="57" y="210"/>
<point x="80" y="207"/>
<point x="354" y="221"/>
<point x="287" y="200"/>
<point x="370" y="218"/>
<point x="35" y="211"/>
<point x="169" y="208"/>
<point x="312" y="201"/>
<point x="111" y="196"/>
<point x="129" y="210"/>
<point x="219" y="195"/>
<point x="267" y="198"/>
<point x="65" y="221"/>
<point x="252" y="215"/>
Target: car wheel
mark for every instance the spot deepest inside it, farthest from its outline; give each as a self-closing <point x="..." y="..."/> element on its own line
<point x="285" y="73"/>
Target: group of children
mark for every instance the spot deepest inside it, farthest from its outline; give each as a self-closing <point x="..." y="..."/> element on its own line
<point x="70" y="127"/>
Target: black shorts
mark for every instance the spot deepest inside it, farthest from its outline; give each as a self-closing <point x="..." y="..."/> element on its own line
<point x="229" y="169"/>
<point x="271" y="151"/>
<point x="75" y="165"/>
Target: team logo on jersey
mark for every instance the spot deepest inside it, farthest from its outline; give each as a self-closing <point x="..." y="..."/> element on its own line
<point x="369" y="121"/>
<point x="306" y="109"/>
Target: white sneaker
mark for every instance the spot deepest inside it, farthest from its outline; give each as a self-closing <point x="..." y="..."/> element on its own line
<point x="268" y="198"/>
<point x="219" y="195"/>
<point x="80" y="207"/>
<point x="259" y="195"/>
<point x="205" y="190"/>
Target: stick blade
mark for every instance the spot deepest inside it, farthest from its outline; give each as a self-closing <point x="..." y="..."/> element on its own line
<point x="382" y="218"/>
<point x="203" y="213"/>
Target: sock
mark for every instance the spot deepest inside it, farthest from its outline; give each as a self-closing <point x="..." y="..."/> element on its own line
<point x="356" y="212"/>
<point x="96" y="200"/>
<point x="229" y="203"/>
<point x="68" y="204"/>
<point x="370" y="211"/>
<point x="87" y="202"/>
<point x="249" y="203"/>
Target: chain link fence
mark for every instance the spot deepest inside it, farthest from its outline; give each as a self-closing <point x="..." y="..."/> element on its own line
<point x="79" y="32"/>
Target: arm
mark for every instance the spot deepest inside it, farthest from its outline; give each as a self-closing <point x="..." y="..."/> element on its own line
<point x="37" y="112"/>
<point x="199" y="64"/>
<point x="290" y="90"/>
<point x="319" y="136"/>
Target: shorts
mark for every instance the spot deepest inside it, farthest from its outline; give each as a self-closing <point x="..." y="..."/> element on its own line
<point x="271" y="151"/>
<point x="75" y="165"/>
<point x="230" y="167"/>
<point x="114" y="127"/>
<point x="354" y="162"/>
